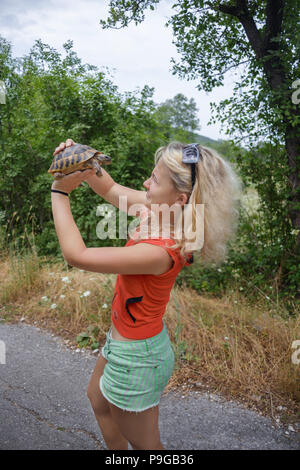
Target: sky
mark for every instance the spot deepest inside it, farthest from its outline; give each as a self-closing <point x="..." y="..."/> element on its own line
<point x="136" y="55"/>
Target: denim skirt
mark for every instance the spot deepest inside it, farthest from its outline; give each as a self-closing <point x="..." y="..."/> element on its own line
<point x="136" y="371"/>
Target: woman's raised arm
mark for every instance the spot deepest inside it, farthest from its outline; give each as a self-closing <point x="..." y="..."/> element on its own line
<point x="111" y="191"/>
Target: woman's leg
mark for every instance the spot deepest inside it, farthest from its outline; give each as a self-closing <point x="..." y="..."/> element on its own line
<point x="110" y="430"/>
<point x="140" y="429"/>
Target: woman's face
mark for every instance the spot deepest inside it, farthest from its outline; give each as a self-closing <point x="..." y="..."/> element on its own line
<point x="160" y="188"/>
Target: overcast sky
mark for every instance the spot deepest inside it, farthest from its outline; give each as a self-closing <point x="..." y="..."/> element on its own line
<point x="136" y="56"/>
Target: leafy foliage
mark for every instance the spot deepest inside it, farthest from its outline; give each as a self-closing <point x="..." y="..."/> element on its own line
<point x="179" y="116"/>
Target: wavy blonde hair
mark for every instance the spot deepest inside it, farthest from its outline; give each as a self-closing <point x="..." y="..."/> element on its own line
<point x="218" y="187"/>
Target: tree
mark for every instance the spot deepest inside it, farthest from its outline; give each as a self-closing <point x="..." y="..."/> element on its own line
<point x="179" y="113"/>
<point x="260" y="39"/>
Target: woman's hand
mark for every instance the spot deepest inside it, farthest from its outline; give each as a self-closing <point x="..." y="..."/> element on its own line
<point x="69" y="182"/>
<point x="63" y="145"/>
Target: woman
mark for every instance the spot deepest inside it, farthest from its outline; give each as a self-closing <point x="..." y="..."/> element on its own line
<point x="137" y="359"/>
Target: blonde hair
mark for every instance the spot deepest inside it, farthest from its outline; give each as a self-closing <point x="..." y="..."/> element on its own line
<point x="218" y="187"/>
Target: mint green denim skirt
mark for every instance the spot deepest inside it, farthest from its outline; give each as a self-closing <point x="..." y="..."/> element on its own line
<point x="137" y="371"/>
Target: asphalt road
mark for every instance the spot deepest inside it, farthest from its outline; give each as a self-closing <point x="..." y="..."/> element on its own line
<point x="44" y="406"/>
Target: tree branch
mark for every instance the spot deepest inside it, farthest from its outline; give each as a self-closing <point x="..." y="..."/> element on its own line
<point x="231" y="67"/>
<point x="229" y="9"/>
<point x="241" y="12"/>
<point x="262" y="45"/>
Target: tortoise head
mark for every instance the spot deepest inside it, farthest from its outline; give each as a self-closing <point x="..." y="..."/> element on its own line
<point x="103" y="158"/>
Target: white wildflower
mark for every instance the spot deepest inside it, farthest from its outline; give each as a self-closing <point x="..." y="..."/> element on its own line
<point x="86" y="293"/>
<point x="53" y="306"/>
<point x="62" y="296"/>
<point x="65" y="279"/>
<point x="104" y="306"/>
<point x="44" y="298"/>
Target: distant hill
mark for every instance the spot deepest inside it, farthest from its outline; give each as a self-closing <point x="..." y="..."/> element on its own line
<point x="203" y="140"/>
<point x="223" y="147"/>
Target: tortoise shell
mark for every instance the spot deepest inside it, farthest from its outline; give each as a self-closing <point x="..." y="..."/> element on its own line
<point x="78" y="157"/>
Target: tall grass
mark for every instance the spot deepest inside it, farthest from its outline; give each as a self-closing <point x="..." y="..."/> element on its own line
<point x="26" y="276"/>
<point x="242" y="351"/>
<point x="22" y="265"/>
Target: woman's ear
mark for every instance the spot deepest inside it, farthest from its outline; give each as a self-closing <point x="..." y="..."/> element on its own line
<point x="182" y="199"/>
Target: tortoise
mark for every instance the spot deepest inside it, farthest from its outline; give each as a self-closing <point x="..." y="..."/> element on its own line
<point x="78" y="157"/>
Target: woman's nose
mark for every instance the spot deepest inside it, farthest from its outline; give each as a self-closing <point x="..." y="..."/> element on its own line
<point x="146" y="183"/>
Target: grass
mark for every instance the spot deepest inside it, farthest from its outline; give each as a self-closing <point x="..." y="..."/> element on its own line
<point x="230" y="346"/>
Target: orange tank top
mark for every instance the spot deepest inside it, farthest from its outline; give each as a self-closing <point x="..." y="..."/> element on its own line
<point x="140" y="300"/>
